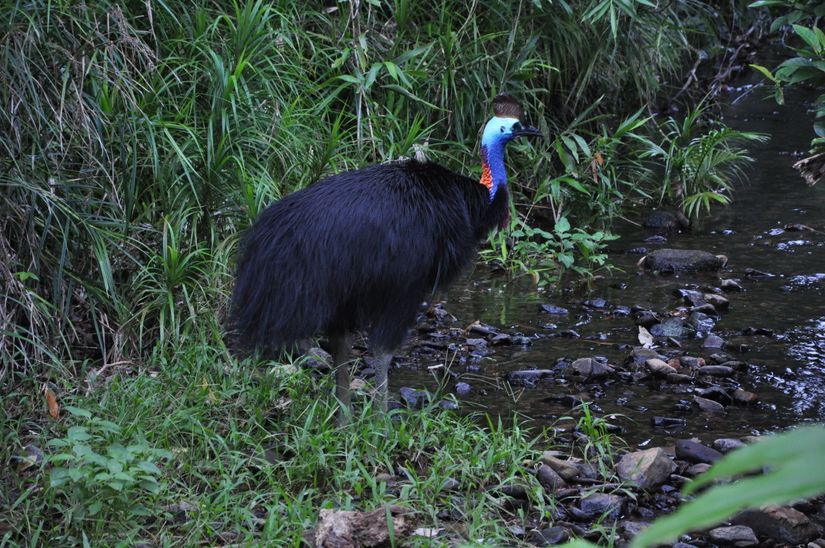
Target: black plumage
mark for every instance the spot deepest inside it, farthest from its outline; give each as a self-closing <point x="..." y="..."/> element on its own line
<point x="362" y="249"/>
<point x="358" y="251"/>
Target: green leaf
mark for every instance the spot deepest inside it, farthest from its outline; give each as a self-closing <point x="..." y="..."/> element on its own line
<point x="809" y="36"/>
<point x="768" y="74"/>
<point x="78" y="433"/>
<point x="78" y="412"/>
<point x="562" y="225"/>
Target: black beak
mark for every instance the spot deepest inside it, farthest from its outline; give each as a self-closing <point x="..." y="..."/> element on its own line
<point x="526" y="131"/>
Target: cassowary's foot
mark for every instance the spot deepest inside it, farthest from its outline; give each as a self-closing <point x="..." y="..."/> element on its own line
<point x="340" y="346"/>
<point x="382" y="365"/>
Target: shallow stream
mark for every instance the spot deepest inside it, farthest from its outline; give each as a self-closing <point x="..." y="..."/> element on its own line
<point x="786" y="370"/>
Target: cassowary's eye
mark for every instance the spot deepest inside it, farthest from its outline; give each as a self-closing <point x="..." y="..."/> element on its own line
<point x="502" y="129"/>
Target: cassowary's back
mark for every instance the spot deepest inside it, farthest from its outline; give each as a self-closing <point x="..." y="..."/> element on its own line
<point x="358" y="250"/>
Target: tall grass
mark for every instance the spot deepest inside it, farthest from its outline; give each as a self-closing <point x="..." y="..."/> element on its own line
<point x="137" y="140"/>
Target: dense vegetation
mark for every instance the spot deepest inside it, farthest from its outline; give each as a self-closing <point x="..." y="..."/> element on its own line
<point x="138" y="139"/>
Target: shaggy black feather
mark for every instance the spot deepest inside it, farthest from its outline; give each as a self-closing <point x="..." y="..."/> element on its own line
<point x="359" y="250"/>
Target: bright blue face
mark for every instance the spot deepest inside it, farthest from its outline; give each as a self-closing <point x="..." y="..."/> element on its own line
<point x="499" y="131"/>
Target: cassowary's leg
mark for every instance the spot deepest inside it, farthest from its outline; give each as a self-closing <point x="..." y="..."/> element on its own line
<point x="382" y="365"/>
<point x="340" y="346"/>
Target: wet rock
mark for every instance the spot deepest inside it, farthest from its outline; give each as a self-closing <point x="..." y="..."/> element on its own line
<point x="638" y="251"/>
<point x="716" y="370"/>
<point x="655" y="239"/>
<point x="517" y="531"/>
<point x="665" y="220"/>
<point x="697" y="469"/>
<point x="754" y="273"/>
<point x="691" y="297"/>
<point x="602" y="504"/>
<point x="633" y="528"/>
<point x="569" y="334"/>
<point x="736" y="535"/>
<point x="659" y="367"/>
<point x="550" y="479"/>
<point x="515" y="491"/>
<point x="648" y="469"/>
<point x="701" y="322"/>
<point x="672" y="327"/>
<point x="476" y="343"/>
<point x="713" y="341"/>
<point x="736" y="365"/>
<point x="597" y="303"/>
<point x="715" y="393"/>
<point x="338" y="528"/>
<point x="798" y="227"/>
<point x="549" y="537"/>
<point x="780" y="523"/>
<point x="590" y="368"/>
<point x="317" y="359"/>
<point x="462" y="389"/>
<point x="708" y="406"/>
<point x="731" y="285"/>
<point x="744" y="397"/>
<point x="528" y="377"/>
<point x="705" y="308"/>
<point x="726" y="445"/>
<point x="502" y="339"/>
<point x="679" y="378"/>
<point x="645" y="318"/>
<point x="668" y="422"/>
<point x="719" y="302"/>
<point x="412" y="398"/>
<point x="448" y="405"/>
<point x="566" y="469"/>
<point x="693" y="451"/>
<point x="691" y="362"/>
<point x="641" y="355"/>
<point x="555" y="310"/>
<point x="679" y="260"/>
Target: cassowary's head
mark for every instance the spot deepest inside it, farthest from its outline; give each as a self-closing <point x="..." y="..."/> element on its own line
<point x="506" y="124"/>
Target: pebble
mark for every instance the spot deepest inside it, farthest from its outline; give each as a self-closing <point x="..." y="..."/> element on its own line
<point x="744" y="397"/>
<point x="549" y="537"/>
<point x="737" y="535"/>
<point x="716" y="370"/>
<point x="708" y="406"/>
<point x="780" y="523"/>
<point x="566" y="469"/>
<point x="550" y="479"/>
<point x="697" y="469"/>
<point x="693" y="451"/>
<point x="462" y="388"/>
<point x="713" y="341"/>
<point x="555" y="310"/>
<point x="602" y="504"/>
<point x="726" y="445"/>
<point x="731" y="285"/>
<point x="668" y="422"/>
<point x="591" y="368"/>
<point x="648" y="469"/>
<point x="693" y="363"/>
<point x="659" y="367"/>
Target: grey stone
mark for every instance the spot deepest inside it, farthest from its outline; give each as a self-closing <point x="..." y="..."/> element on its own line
<point x="602" y="504"/>
<point x="633" y="528"/>
<point x="692" y="451"/>
<point x="591" y="369"/>
<point x="677" y="260"/>
<point x="672" y="327"/>
<point x="659" y="367"/>
<point x="731" y="285"/>
<point x="566" y="469"/>
<point x="549" y="537"/>
<point x="462" y="388"/>
<point x="412" y="398"/>
<point x="549" y="479"/>
<point x="780" y="523"/>
<point x="736" y="535"/>
<point x="555" y="310"/>
<point x="691" y="362"/>
<point x="744" y="397"/>
<point x="708" y="406"/>
<point x="719" y="302"/>
<point x="529" y="377"/>
<point x="726" y="445"/>
<point x="640" y="355"/>
<point x="317" y="359"/>
<point x="697" y="469"/>
<point x="713" y="341"/>
<point x="648" y="469"/>
<point x="701" y="322"/>
<point x="716" y="370"/>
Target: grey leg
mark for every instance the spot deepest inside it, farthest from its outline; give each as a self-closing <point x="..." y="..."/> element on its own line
<point x="382" y="365"/>
<point x="340" y="361"/>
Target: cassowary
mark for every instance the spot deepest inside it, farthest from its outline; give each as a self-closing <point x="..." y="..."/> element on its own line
<point x="363" y="249"/>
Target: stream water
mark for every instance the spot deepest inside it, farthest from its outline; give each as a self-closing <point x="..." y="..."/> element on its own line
<point x="786" y="370"/>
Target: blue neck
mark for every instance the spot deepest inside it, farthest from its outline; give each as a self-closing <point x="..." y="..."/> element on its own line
<point x="492" y="158"/>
